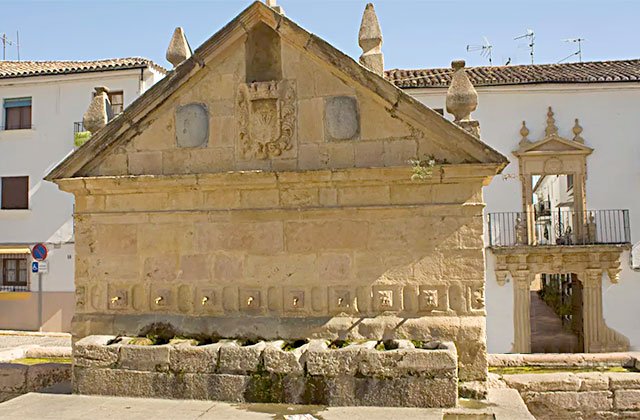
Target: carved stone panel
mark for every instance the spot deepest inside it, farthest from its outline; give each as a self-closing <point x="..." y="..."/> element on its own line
<point x="340" y="300"/>
<point x="161" y="298"/>
<point x="387" y="298"/>
<point x="118" y="298"/>
<point x="295" y="300"/>
<point x="250" y="300"/>
<point x="433" y="298"/>
<point x="208" y="300"/>
<point x="266" y="115"/>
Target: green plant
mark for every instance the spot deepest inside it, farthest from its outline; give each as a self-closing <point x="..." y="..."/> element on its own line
<point x="422" y="168"/>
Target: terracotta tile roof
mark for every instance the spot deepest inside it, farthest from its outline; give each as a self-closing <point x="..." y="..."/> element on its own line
<point x="11" y="69"/>
<point x="588" y="72"/>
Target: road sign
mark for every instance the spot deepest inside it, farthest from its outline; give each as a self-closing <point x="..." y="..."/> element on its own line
<point x="39" y="252"/>
<point x="43" y="267"/>
<point x="34" y="266"/>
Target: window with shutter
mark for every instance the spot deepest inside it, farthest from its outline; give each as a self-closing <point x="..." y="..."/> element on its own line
<point x="15" y="193"/>
<point x="17" y="113"/>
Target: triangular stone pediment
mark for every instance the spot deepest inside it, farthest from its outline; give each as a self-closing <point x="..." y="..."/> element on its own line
<point x="264" y="94"/>
<point x="553" y="144"/>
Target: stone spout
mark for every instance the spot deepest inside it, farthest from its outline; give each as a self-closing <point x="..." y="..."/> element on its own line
<point x="370" y="40"/>
<point x="97" y="115"/>
<point x="179" y="49"/>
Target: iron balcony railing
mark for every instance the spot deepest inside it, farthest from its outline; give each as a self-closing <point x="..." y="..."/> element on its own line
<point x="590" y="227"/>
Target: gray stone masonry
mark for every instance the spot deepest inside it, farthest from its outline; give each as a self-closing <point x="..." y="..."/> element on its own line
<point x="579" y="395"/>
<point x="314" y="372"/>
<point x="17" y="379"/>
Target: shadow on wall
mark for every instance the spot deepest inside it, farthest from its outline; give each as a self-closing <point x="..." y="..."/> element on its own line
<point x="22" y="314"/>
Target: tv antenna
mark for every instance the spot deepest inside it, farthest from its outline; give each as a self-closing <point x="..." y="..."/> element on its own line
<point x="485" y="50"/>
<point x="531" y="38"/>
<point x="578" y="41"/>
<point x="6" y="41"/>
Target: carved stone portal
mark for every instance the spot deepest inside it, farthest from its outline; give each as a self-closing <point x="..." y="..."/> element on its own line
<point x="589" y="263"/>
<point x="266" y="115"/>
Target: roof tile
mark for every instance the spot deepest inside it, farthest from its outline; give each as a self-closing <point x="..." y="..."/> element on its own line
<point x="11" y="69"/>
<point x="587" y="72"/>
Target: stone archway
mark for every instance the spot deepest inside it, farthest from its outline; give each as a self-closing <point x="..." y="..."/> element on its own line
<point x="589" y="264"/>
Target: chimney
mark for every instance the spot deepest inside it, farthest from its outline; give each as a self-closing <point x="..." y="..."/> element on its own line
<point x="179" y="49"/>
<point x="462" y="99"/>
<point x="272" y="4"/>
<point x="99" y="112"/>
<point x="370" y="40"/>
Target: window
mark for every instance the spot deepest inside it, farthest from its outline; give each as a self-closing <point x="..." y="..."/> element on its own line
<point x="569" y="182"/>
<point x="14" y="272"/>
<point x="17" y="114"/>
<point x="15" y="193"/>
<point x="116" y="99"/>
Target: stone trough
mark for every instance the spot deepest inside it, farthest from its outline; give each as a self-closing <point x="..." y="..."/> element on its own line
<point x="368" y="373"/>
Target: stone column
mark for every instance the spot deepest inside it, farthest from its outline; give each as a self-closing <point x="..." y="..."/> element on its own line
<point x="591" y="309"/>
<point x="521" y="312"/>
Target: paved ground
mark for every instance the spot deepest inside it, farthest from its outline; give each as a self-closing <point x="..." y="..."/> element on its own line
<point x="547" y="332"/>
<point x="80" y="407"/>
<point x="10" y="339"/>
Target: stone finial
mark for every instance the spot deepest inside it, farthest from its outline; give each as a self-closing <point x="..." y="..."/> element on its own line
<point x="179" y="49"/>
<point x="370" y="40"/>
<point x="97" y="115"/>
<point x="577" y="131"/>
<point x="551" y="124"/>
<point x="524" y="132"/>
<point x="462" y="99"/>
<point x="272" y="4"/>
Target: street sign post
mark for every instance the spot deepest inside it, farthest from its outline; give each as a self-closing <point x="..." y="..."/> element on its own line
<point x="39" y="252"/>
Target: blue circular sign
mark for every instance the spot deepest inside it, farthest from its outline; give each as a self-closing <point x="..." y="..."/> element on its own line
<point x="39" y="252"/>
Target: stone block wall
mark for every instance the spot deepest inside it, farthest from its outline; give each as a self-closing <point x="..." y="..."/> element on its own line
<point x="589" y="395"/>
<point x="360" y="254"/>
<point x="17" y="379"/>
<point x="264" y="372"/>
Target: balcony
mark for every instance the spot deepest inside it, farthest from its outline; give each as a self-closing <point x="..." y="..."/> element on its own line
<point x="592" y="227"/>
<point x="80" y="135"/>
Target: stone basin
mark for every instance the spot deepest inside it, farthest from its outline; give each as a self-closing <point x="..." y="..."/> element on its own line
<point x="367" y="373"/>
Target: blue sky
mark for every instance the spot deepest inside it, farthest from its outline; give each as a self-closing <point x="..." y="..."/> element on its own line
<point x="417" y="33"/>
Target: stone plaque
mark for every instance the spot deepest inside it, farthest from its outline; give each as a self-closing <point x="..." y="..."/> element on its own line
<point x="341" y="118"/>
<point x="192" y="125"/>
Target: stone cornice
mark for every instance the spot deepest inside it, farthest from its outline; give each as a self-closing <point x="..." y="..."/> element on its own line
<point x="445" y="174"/>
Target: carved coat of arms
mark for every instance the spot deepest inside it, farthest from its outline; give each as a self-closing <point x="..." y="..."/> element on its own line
<point x="266" y="114"/>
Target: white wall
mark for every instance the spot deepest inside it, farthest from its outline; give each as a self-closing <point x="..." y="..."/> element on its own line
<point x="57" y="102"/>
<point x="609" y="114"/>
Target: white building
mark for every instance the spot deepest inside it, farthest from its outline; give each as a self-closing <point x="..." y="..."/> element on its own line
<point x="41" y="106"/>
<point x="605" y="98"/>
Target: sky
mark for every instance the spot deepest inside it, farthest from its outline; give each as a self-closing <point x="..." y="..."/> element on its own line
<point x="417" y="33"/>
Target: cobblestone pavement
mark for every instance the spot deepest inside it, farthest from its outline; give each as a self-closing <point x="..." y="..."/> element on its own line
<point x="8" y="340"/>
